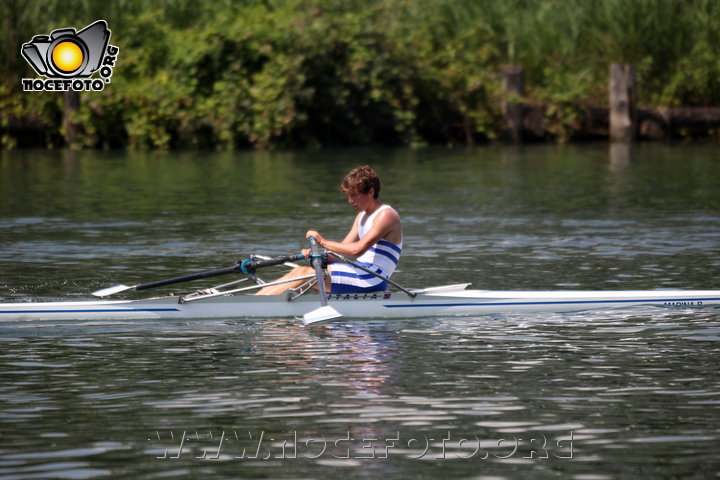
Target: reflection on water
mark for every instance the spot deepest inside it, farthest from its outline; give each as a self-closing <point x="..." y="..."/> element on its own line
<point x="591" y="392"/>
<point x="586" y="395"/>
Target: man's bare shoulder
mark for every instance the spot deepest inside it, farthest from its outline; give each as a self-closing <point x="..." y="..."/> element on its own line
<point x="390" y="215"/>
<point x="389" y="223"/>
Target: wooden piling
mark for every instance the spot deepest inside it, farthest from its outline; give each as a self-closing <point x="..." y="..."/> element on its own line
<point x="623" y="114"/>
<point x="513" y="85"/>
<point x="71" y="103"/>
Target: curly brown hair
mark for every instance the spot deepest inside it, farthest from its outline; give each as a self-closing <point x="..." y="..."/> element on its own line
<point x="361" y="180"/>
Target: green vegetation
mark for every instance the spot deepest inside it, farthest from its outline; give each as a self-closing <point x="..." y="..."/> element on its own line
<point x="292" y="73"/>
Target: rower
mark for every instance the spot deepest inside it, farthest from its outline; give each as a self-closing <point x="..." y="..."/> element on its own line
<point x="375" y="239"/>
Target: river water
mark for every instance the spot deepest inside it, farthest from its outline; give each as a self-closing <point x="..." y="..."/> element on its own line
<point x="594" y="395"/>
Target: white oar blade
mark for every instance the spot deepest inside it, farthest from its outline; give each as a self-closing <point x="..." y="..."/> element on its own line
<point x="111" y="290"/>
<point x="320" y="315"/>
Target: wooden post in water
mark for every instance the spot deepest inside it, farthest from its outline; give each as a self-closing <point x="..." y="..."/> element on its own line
<point x="623" y="117"/>
<point x="71" y="103"/>
<point x="513" y="85"/>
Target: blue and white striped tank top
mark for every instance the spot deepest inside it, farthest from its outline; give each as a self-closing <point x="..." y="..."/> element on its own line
<point x="384" y="255"/>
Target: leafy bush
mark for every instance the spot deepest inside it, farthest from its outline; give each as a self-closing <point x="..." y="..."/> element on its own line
<point x="298" y="73"/>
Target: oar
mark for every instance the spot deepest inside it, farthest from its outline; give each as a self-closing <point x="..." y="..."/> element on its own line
<point x="325" y="312"/>
<point x="246" y="266"/>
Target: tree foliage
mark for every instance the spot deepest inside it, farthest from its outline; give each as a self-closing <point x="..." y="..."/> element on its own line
<point x="290" y="73"/>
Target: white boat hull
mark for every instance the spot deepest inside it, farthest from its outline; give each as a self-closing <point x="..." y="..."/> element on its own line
<point x="451" y="300"/>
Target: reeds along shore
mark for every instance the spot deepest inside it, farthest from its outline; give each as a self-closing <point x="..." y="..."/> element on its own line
<point x="313" y="73"/>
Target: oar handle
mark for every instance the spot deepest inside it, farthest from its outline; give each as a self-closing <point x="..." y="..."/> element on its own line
<point x="316" y="259"/>
<point x="250" y="265"/>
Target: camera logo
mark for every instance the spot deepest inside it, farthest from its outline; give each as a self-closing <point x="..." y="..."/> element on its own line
<point x="68" y="59"/>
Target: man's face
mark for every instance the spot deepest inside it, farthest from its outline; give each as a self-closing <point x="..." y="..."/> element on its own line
<point x="361" y="201"/>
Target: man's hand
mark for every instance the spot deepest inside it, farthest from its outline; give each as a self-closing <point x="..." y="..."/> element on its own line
<point x="313" y="233"/>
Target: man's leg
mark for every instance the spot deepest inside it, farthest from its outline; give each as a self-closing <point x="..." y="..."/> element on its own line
<point x="295" y="272"/>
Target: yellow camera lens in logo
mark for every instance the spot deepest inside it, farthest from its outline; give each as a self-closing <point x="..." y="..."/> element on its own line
<point x="67" y="56"/>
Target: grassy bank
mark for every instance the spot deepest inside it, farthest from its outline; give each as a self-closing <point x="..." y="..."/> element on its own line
<point x="291" y="73"/>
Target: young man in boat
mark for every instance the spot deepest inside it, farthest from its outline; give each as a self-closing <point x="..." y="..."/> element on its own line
<point x="375" y="240"/>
